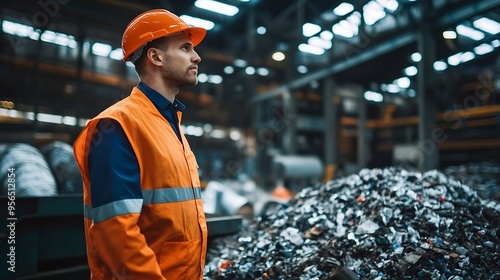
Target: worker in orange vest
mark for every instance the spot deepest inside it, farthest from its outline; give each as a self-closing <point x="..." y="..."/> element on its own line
<point x="144" y="217"/>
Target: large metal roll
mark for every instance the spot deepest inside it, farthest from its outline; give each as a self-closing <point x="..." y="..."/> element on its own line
<point x="62" y="161"/>
<point x="30" y="170"/>
<point x="297" y="167"/>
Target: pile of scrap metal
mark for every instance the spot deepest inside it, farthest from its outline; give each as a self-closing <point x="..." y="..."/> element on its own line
<point x="380" y="224"/>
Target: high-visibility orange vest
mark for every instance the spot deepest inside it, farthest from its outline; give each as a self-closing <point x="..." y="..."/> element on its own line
<point x="163" y="235"/>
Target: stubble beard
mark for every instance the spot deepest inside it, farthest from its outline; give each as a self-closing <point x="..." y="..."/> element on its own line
<point x="180" y="79"/>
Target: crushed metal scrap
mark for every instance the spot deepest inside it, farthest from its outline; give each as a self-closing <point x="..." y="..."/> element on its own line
<point x="483" y="176"/>
<point x="380" y="223"/>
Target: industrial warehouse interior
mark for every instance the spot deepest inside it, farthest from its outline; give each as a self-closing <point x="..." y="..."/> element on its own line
<point x="335" y="139"/>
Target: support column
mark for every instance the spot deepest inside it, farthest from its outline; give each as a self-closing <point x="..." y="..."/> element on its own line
<point x="289" y="120"/>
<point x="362" y="144"/>
<point x="332" y="123"/>
<point x="429" y="156"/>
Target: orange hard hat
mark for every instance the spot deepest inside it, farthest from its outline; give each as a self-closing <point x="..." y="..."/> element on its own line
<point x="155" y="24"/>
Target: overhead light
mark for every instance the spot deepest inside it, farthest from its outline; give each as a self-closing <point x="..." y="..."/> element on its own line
<point x="218" y="133"/>
<point x="100" y="49"/>
<point x="345" y="29"/>
<point x="403" y="82"/>
<point x="49" y="36"/>
<point x="193" y="130"/>
<point x="373" y="96"/>
<point x="483" y="49"/>
<point x="467" y="56"/>
<point x="262" y="71"/>
<point x="440" y="65"/>
<point x="17" y="29"/>
<point x="302" y="69"/>
<point x="60" y="39"/>
<point x="355" y="18"/>
<point x="278" y="56"/>
<point x="318" y="42"/>
<point x="450" y="35"/>
<point x="250" y="70"/>
<point x="235" y="135"/>
<point x="229" y="69"/>
<point x="202" y="78"/>
<point x="392" y="88"/>
<point x="240" y="63"/>
<point x="411" y="71"/>
<point x="373" y="12"/>
<point x="261" y="30"/>
<point x="198" y="22"/>
<point x="326" y="35"/>
<point x="305" y="48"/>
<point x="460" y="57"/>
<point x="343" y="9"/>
<point x="495" y="43"/>
<point x="49" y="118"/>
<point x="116" y="54"/>
<point x="470" y="32"/>
<point x="217" y="7"/>
<point x="455" y="59"/>
<point x="416" y="57"/>
<point x="215" y="79"/>
<point x="207" y="127"/>
<point x="390" y="5"/>
<point x="309" y="29"/>
<point x="68" y="120"/>
<point x="487" y="25"/>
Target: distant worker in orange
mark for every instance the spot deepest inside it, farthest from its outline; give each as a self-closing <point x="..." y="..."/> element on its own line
<point x="144" y="218"/>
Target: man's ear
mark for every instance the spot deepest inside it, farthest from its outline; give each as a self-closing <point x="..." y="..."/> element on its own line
<point x="154" y="57"/>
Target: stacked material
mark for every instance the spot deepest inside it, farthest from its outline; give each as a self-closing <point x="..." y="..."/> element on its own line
<point x="483" y="177"/>
<point x="62" y="162"/>
<point x="380" y="223"/>
<point x="28" y="171"/>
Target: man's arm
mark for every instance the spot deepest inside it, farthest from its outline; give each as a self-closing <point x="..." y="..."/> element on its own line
<point x="116" y="205"/>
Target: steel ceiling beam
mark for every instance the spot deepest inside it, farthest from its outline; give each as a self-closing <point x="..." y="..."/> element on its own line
<point x="472" y="8"/>
<point x="386" y="47"/>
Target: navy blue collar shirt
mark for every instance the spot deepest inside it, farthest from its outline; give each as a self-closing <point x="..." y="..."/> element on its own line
<point x="166" y="108"/>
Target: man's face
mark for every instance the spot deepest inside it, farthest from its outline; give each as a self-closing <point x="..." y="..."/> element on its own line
<point x="181" y="61"/>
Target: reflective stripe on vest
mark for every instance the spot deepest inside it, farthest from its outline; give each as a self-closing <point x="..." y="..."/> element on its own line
<point x="129" y="206"/>
<point x="170" y="195"/>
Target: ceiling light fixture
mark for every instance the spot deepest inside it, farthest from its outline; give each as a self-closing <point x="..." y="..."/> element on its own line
<point x="483" y="49"/>
<point x="309" y="29"/>
<point x="411" y="71"/>
<point x="373" y="12"/>
<point x="217" y="7"/>
<point x="343" y="9"/>
<point x="373" y="96"/>
<point x="487" y="25"/>
<point x="440" y="65"/>
<point x="318" y="42"/>
<point x="416" y="57"/>
<point x="198" y="22"/>
<point x="305" y="48"/>
<point x="450" y="35"/>
<point x="470" y="32"/>
<point x="278" y="56"/>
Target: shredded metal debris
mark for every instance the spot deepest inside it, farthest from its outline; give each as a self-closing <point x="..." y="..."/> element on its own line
<point x="380" y="224"/>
